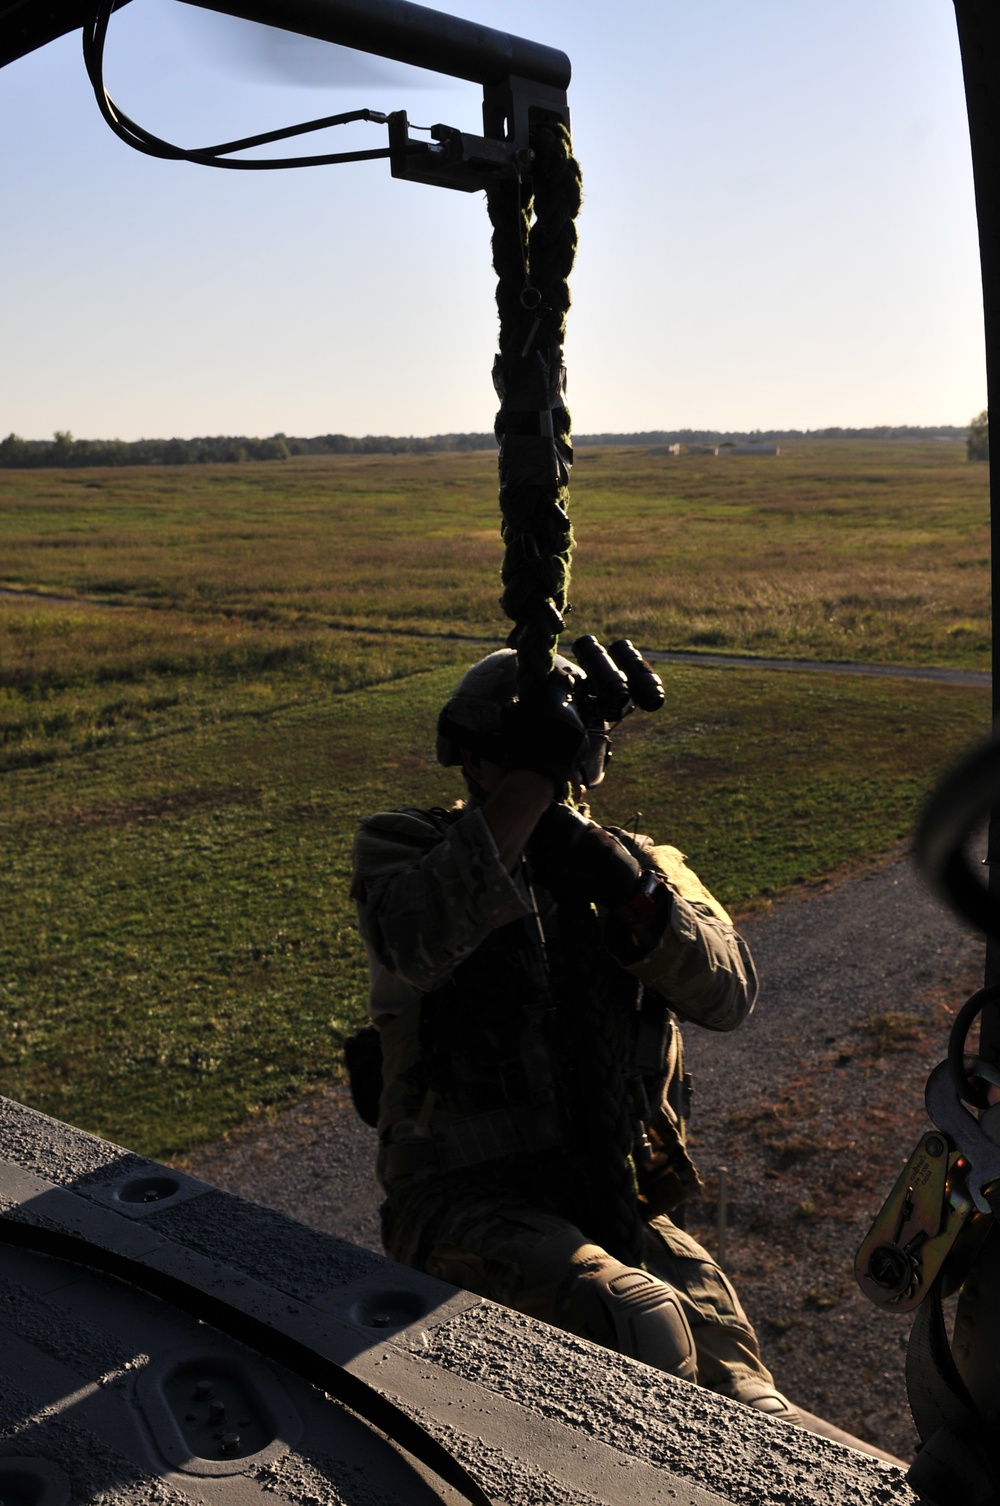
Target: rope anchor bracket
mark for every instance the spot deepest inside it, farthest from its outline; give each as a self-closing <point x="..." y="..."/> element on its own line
<point x="456" y="159"/>
<point x="451" y="159"/>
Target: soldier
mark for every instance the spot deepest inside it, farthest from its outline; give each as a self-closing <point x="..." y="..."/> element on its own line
<point x="527" y="966"/>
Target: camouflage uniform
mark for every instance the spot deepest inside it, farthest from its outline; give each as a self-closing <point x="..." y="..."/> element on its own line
<point x="483" y="1153"/>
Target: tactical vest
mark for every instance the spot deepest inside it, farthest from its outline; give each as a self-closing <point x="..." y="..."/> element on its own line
<point x="544" y="1067"/>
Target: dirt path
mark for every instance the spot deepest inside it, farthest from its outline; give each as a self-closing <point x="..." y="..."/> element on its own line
<point x="812" y="1107"/>
<point x="941" y="674"/>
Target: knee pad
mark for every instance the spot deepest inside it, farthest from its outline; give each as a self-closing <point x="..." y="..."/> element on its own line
<point x="647" y="1318"/>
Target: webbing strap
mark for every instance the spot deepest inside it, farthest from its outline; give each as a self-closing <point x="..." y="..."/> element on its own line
<point x="954" y="1469"/>
<point x="475" y="1140"/>
<point x="496" y="1135"/>
<point x="937" y="1394"/>
<point x="954" y="1463"/>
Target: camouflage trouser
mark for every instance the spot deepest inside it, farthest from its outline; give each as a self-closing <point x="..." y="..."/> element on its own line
<point x="531" y="1259"/>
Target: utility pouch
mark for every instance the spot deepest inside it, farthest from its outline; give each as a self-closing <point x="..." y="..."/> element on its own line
<point x="653" y="1038"/>
<point x="363" y="1060"/>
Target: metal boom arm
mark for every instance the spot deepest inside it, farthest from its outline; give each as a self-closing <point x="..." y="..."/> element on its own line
<point x="523" y="81"/>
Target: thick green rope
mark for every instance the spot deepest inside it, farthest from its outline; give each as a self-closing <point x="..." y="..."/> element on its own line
<point x="534" y="244"/>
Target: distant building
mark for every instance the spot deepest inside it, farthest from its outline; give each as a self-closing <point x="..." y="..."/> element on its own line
<point x="751" y="449"/>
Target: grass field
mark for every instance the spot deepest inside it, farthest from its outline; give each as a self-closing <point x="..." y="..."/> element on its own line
<point x="258" y="659"/>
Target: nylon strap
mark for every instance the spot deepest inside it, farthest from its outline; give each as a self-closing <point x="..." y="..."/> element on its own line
<point x="937" y="1394"/>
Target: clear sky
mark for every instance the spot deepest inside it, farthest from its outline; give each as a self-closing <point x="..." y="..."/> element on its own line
<point x="778" y="230"/>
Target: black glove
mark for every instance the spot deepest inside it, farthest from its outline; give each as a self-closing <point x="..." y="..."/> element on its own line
<point x="577" y="859"/>
<point x="542" y="730"/>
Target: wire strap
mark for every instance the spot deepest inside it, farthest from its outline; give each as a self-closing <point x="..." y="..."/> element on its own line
<point x="95" y="32"/>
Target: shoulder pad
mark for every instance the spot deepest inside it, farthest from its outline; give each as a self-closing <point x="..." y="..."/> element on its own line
<point x="671" y="863"/>
<point x="391" y="838"/>
<point x="408" y="825"/>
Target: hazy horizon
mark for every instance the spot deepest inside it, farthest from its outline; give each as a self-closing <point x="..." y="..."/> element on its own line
<point x="772" y="431"/>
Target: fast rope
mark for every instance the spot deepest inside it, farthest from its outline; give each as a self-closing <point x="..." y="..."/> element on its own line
<point x="534" y="246"/>
<point x="533" y="258"/>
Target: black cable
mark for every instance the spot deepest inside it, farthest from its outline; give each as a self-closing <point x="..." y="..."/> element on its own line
<point x="95" y="33"/>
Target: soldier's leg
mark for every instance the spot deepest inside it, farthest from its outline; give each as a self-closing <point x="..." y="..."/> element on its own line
<point x="728" y="1351"/>
<point x="542" y="1265"/>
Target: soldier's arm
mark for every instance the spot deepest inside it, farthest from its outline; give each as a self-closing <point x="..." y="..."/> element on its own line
<point x="513" y="811"/>
<point x="697" y="960"/>
<point x="427" y="896"/>
<point x="702" y="967"/>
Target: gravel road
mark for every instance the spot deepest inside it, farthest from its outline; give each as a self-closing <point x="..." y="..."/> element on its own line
<point x="813" y="1105"/>
<point x="828" y="958"/>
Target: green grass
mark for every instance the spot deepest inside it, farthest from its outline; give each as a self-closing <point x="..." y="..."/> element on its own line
<point x="75" y="679"/>
<point x="179" y="951"/>
<point x="258" y="660"/>
<point x="839" y="550"/>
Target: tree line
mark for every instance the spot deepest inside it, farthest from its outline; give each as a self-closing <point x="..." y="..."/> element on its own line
<point x="977" y="444"/>
<point x="63" y="450"/>
<point x="768" y="436"/>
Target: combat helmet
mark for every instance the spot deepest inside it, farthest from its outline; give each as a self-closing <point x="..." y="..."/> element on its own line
<point x="472" y="717"/>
